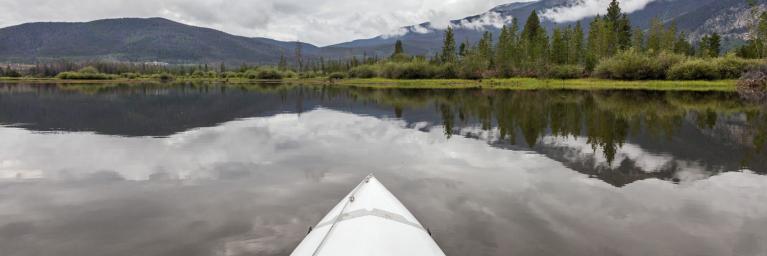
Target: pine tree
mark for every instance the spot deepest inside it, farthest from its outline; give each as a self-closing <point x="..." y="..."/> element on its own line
<point x="682" y="46"/>
<point x="655" y="35"/>
<point x="485" y="47"/>
<point x="624" y="32"/>
<point x="398" y="48"/>
<point x="463" y="49"/>
<point x="576" y="45"/>
<point x="535" y="41"/>
<point x="502" y="47"/>
<point x="759" y="40"/>
<point x="283" y="64"/>
<point x="714" y="45"/>
<point x="669" y="38"/>
<point x="593" y="45"/>
<point x="613" y="12"/>
<point x="558" y="47"/>
<point x="637" y="40"/>
<point x="448" y="48"/>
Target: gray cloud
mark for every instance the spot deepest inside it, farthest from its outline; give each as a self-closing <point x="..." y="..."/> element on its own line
<point x="320" y="22"/>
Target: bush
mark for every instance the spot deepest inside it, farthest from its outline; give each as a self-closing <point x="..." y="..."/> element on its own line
<point x="165" y="77"/>
<point x="265" y="73"/>
<point x="633" y="65"/>
<point x="733" y="67"/>
<point x="88" y="70"/>
<point x="446" y="71"/>
<point x="694" y="70"/>
<point x="364" y="71"/>
<point x="473" y="66"/>
<point x="310" y="74"/>
<point x="337" y="76"/>
<point x="410" y="70"/>
<point x="83" y="76"/>
<point x="130" y="75"/>
<point x="230" y="74"/>
<point x="269" y="74"/>
<point x="753" y="84"/>
<point x="565" y="72"/>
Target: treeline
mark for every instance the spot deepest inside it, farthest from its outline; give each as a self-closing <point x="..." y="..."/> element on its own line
<point x="611" y="49"/>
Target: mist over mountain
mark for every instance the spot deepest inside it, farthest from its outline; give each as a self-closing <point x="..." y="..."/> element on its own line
<point x="158" y="39"/>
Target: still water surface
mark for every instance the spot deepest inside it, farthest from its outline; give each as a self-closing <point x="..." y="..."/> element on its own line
<point x="217" y="170"/>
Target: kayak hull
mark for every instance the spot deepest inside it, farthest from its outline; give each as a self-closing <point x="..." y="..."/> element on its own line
<point x="369" y="221"/>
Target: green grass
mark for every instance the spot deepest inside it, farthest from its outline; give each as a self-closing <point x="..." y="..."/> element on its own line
<point x="536" y="84"/>
<point x="504" y="84"/>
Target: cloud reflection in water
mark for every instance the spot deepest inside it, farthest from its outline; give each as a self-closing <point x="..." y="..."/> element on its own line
<point x="253" y="186"/>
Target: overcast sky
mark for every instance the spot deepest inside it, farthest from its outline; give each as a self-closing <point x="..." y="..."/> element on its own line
<point x="321" y="22"/>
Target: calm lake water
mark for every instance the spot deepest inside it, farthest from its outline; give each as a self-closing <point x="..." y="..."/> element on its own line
<point x="245" y="170"/>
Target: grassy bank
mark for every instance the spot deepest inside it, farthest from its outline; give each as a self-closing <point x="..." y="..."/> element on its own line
<point x="506" y="84"/>
<point x="538" y="84"/>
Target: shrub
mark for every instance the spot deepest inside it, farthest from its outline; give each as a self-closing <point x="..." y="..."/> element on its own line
<point x="337" y="76"/>
<point x="130" y="75"/>
<point x="88" y="70"/>
<point x="565" y="71"/>
<point x="269" y="74"/>
<point x="364" y="71"/>
<point x="165" y="77"/>
<point x="83" y="76"/>
<point x="289" y="74"/>
<point x="230" y="74"/>
<point x="266" y="73"/>
<point x="694" y="70"/>
<point x="753" y="84"/>
<point x="633" y="65"/>
<point x="473" y="66"/>
<point x="410" y="70"/>
<point x="310" y="74"/>
<point x="733" y="67"/>
<point x="446" y="71"/>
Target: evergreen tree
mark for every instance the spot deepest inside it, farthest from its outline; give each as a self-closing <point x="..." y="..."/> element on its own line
<point x="593" y="45"/>
<point x="710" y="46"/>
<point x="576" y="45"/>
<point x="558" y="47"/>
<point x="624" y="32"/>
<point x="398" y="48"/>
<point x="637" y="40"/>
<point x="760" y="40"/>
<point x="618" y="34"/>
<point x="535" y="41"/>
<point x="669" y="38"/>
<point x="283" y="64"/>
<point x="448" y="48"/>
<point x="682" y="46"/>
<point x="485" y="48"/>
<point x="655" y="35"/>
<point x="463" y="49"/>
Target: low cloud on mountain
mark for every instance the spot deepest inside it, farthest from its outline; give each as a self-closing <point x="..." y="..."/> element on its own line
<point x="320" y="22"/>
<point x="587" y="8"/>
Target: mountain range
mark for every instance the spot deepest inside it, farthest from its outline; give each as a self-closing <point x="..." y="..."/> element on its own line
<point x="163" y="40"/>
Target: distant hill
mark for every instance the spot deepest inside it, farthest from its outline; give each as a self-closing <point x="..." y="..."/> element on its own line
<point x="133" y="39"/>
<point x="158" y="39"/>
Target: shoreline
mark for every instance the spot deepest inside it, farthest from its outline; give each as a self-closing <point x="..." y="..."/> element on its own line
<point x="380" y="83"/>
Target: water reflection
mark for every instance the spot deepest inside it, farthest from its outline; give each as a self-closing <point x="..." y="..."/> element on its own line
<point x="616" y="136"/>
<point x="261" y="165"/>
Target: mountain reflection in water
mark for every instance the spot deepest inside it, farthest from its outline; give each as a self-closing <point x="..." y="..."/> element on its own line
<point x="202" y="170"/>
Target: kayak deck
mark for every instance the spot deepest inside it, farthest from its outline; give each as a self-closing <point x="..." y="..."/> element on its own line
<point x="368" y="221"/>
